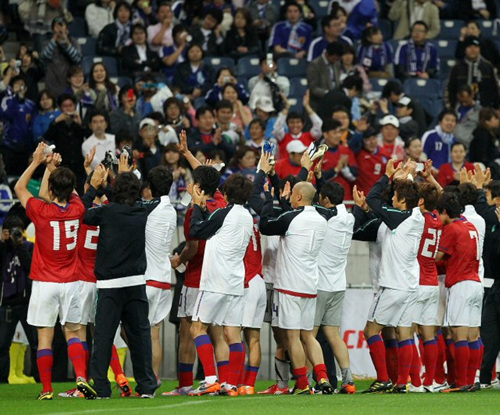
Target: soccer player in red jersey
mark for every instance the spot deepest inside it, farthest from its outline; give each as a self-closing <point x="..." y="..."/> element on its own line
<point x="53" y="271"/>
<point x="460" y="245"/>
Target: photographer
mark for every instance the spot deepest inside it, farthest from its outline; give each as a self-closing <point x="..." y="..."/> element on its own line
<point x="99" y="139"/>
<point x="15" y="263"/>
<point x="151" y="151"/>
<point x="225" y="76"/>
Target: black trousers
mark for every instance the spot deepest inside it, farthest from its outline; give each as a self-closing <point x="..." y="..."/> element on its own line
<point x="9" y="317"/>
<point x="328" y="356"/>
<point x="490" y="331"/>
<point x="130" y="306"/>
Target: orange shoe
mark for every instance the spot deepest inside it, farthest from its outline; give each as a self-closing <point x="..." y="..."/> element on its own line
<point x="242" y="390"/>
<point x="229" y="390"/>
<point x="348" y="388"/>
<point x="274" y="390"/>
<point x="207" y="388"/>
<point x="249" y="390"/>
<point x="123" y="385"/>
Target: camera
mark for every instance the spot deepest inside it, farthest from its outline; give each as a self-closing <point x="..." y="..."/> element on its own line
<point x="128" y="149"/>
<point x="270" y="60"/>
<point x="226" y="79"/>
<point x="110" y="161"/>
<point x="18" y="64"/>
<point x="16" y="234"/>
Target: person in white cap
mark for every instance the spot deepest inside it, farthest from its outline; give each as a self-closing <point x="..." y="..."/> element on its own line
<point x="408" y="127"/>
<point x="291" y="165"/>
<point x="151" y="152"/>
<point x="389" y="138"/>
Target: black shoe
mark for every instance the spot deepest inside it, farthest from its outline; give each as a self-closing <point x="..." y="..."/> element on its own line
<point x="475" y="387"/>
<point x="325" y="387"/>
<point x="379" y="387"/>
<point x="399" y="389"/>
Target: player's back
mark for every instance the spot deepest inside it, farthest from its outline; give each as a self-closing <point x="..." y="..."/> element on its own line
<point x="480" y="225"/>
<point x="253" y="256"/>
<point x="428" y="249"/>
<point x="88" y="236"/>
<point x="55" y="255"/>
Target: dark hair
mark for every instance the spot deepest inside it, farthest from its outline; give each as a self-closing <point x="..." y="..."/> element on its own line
<point x="290" y="3"/>
<point x="62" y="183"/>
<point x="203" y="110"/>
<point x="18" y="78"/>
<point x="341" y="108"/>
<point x="353" y="81"/>
<point x="335" y="48"/>
<point x="449" y="203"/>
<point x="238" y="189"/>
<point x="467" y="194"/>
<point x="262" y="124"/>
<point x="73" y="70"/>
<point x="13" y="221"/>
<point x="240" y="153"/>
<point x="457" y="143"/>
<point x="420" y="23"/>
<point x="494" y="188"/>
<point x="212" y="155"/>
<point x="110" y="86"/>
<point x="58" y="20"/>
<point x="408" y="191"/>
<point x="215" y="13"/>
<point x="248" y="19"/>
<point x="199" y="46"/>
<point x="330" y="124"/>
<point x="474" y="22"/>
<point x="223" y="103"/>
<point x="392" y="87"/>
<point x="118" y="6"/>
<point x="349" y="49"/>
<point x="138" y="26"/>
<point x="327" y="20"/>
<point x="333" y="191"/>
<point x="127" y="189"/>
<point x="446" y="112"/>
<point x="160" y="181"/>
<point x="368" y="33"/>
<point x="294" y="115"/>
<point x="173" y="101"/>
<point x="430" y="195"/>
<point x="178" y="28"/>
<point x="49" y="95"/>
<point x="65" y="97"/>
<point x="464" y="88"/>
<point x="337" y="9"/>
<point x="228" y="86"/>
<point x="411" y="140"/>
<point x="98" y="113"/>
<point x="124" y="91"/>
<point x="486" y="114"/>
<point x="208" y="178"/>
<point x="225" y="68"/>
<point x="157" y="116"/>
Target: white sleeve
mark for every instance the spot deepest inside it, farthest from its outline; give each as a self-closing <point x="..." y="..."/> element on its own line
<point x="317" y="123"/>
<point x="279" y="127"/>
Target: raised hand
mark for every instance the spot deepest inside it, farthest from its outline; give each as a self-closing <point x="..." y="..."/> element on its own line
<point x="390" y="169"/>
<point x="359" y="198"/>
<point x="89" y="158"/>
<point x="287" y="191"/>
<point x="183" y="142"/>
<point x="305" y="161"/>
<point x="53" y="161"/>
<point x="265" y="162"/>
<point x="99" y="176"/>
<point x="39" y="156"/>
<point x="123" y="166"/>
<point x="199" y="197"/>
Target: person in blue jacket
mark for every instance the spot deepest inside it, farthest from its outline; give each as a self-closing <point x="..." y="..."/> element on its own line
<point x="47" y="112"/>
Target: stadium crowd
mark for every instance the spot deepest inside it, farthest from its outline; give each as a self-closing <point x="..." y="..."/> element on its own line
<point x="390" y="107"/>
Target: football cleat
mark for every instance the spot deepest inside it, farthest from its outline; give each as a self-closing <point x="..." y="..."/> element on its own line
<point x="485" y="385"/>
<point x="206" y="388"/>
<point x="456" y="389"/>
<point x="429" y="389"/>
<point x="319" y="152"/>
<point x="475" y="387"/>
<point x="184" y="391"/>
<point x="440" y="386"/>
<point x="72" y="393"/>
<point x="274" y="390"/>
<point x="416" y="389"/>
<point x="348" y="388"/>
<point x="124" y="386"/>
<point x="87" y="390"/>
<point x="399" y="389"/>
<point x="45" y="396"/>
<point x="305" y="391"/>
<point x="379" y="387"/>
<point x="246" y="390"/>
<point x="325" y="387"/>
<point x="147" y="396"/>
<point x="228" y="390"/>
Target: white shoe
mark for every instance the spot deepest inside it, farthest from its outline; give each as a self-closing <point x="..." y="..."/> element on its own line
<point x="485" y="386"/>
<point x="416" y="389"/>
<point x="495" y="382"/>
<point x="184" y="391"/>
<point x="440" y="386"/>
<point x="429" y="389"/>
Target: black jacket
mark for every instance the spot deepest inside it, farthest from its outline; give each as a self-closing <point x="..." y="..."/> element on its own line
<point x="489" y="51"/>
<point x="195" y="142"/>
<point x="132" y="66"/>
<point x="491" y="248"/>
<point x="482" y="149"/>
<point x="212" y="49"/>
<point x="234" y="40"/>
<point x="24" y="253"/>
<point x="106" y="41"/>
<point x="185" y="81"/>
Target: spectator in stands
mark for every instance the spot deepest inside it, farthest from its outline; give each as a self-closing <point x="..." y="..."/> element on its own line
<point x="389" y="138"/>
<point x="99" y="139"/>
<point x="306" y="9"/>
<point x="176" y="115"/>
<point x="264" y="15"/>
<point x="142" y="12"/>
<point x="292" y="37"/>
<point x="371" y="161"/>
<point x="363" y="14"/>
<point x="225" y="76"/>
<point x="467" y="110"/>
<point x="126" y="116"/>
<point x="230" y="131"/>
<point x="150" y="151"/>
<point x="489" y="49"/>
<point x="138" y="58"/>
<point x="268" y="83"/>
<point x="265" y="112"/>
<point x="406" y="12"/>
<point x="332" y="32"/>
<point x="349" y="67"/>
<point x="408" y="126"/>
<point x="343" y="116"/>
<point x="228" y="10"/>
<point x="58" y="55"/>
<point x="115" y="36"/>
<point x="146" y="88"/>
<point x="47" y="112"/>
<point x="176" y="163"/>
<point x="414" y="150"/>
<point x="256" y="132"/>
<point x="323" y="73"/>
<point x="475" y="71"/>
<point x="17" y="114"/>
<point x="469" y="9"/>
<point x="437" y="142"/>
<point x="85" y="96"/>
<point x="339" y="163"/>
<point x="483" y="148"/>
<point x="447" y="8"/>
<point x="449" y="173"/>
<point x="290" y="165"/>
<point x="175" y="53"/>
<point x="104" y="88"/>
<point x="32" y="71"/>
<point x="98" y="15"/>
<point x="375" y="55"/>
<point x="209" y="33"/>
<point x="67" y="134"/>
<point x="243" y="162"/>
<point x="241" y="40"/>
<point x="39" y="18"/>
<point x="345" y="96"/>
<point x="161" y="34"/>
<point x="418" y="58"/>
<point x="193" y="77"/>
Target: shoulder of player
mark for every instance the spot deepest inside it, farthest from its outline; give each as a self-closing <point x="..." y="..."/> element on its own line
<point x="325" y="212"/>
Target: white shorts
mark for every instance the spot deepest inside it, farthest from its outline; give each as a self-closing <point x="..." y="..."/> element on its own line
<point x="426" y="308"/>
<point x="443" y="292"/>
<point x="254" y="300"/>
<point x="293" y="313"/>
<point x="187" y="300"/>
<point x="218" y="309"/>
<point x="464" y="304"/>
<point x="88" y="301"/>
<point x="160" y="303"/>
<point x="393" y="308"/>
<point x="51" y="299"/>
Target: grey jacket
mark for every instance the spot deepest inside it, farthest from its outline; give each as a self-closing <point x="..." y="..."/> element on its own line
<point x="401" y="11"/>
<point x="319" y="80"/>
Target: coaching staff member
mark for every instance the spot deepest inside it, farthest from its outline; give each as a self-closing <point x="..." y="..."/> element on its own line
<point x="119" y="269"/>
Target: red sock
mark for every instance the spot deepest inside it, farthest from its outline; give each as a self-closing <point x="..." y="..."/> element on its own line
<point x="462" y="356"/>
<point x="320" y="372"/>
<point x="250" y="375"/>
<point x="223" y="370"/>
<point x="405" y="356"/>
<point x="474" y="361"/>
<point x="87" y="358"/>
<point x="391" y="358"/>
<point x="440" y="375"/>
<point x="241" y="379"/>
<point x="377" y="353"/>
<point x="77" y="356"/>
<point x="430" y="359"/>
<point x="205" y="350"/>
<point x="416" y="367"/>
<point x="450" y="361"/>
<point x="236" y="362"/>
<point x="185" y="374"/>
<point x="300" y="375"/>
<point x="115" y="364"/>
<point x="45" y="360"/>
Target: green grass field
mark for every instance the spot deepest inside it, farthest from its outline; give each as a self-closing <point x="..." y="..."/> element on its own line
<point x="20" y="399"/>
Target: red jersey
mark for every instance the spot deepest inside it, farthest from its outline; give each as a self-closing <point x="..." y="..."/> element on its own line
<point x="253" y="257"/>
<point x="460" y="241"/>
<point x="193" y="269"/>
<point x="429" y="248"/>
<point x="284" y="167"/>
<point x="87" y="251"/>
<point x="330" y="161"/>
<point x="306" y="139"/>
<point x="446" y="174"/>
<point x="371" y="167"/>
<point x="55" y="256"/>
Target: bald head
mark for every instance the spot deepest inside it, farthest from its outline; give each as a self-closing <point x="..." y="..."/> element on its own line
<point x="302" y="194"/>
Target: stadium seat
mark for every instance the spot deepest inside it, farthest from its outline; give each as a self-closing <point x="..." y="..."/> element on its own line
<point x="217" y="63"/>
<point x="445" y="67"/>
<point x="292" y="67"/>
<point x="121" y="80"/>
<point x="248" y="67"/>
<point x="243" y="81"/>
<point x="379" y="83"/>
<point x="446" y="47"/>
<point x="78" y="27"/>
<point x="320" y="7"/>
<point x="87" y="45"/>
<point x="385" y="27"/>
<point x="423" y="88"/>
<point x="296" y="103"/>
<point x="450" y="29"/>
<point x="108" y="61"/>
<point x="298" y="87"/>
<point x="396" y="43"/>
<point x="487" y="27"/>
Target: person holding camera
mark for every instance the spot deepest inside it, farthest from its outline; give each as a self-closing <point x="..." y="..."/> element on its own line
<point x="138" y="57"/>
<point x="99" y="139"/>
<point x="15" y="263"/>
